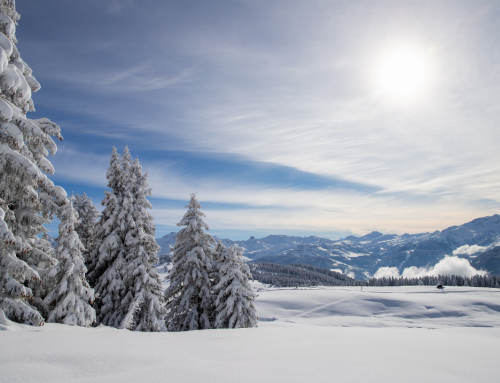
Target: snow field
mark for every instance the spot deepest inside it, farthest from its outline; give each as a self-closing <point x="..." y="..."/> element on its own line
<point x="305" y="343"/>
<point x="411" y="306"/>
<point x="267" y="354"/>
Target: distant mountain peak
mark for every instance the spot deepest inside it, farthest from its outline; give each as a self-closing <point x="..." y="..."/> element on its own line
<point x="362" y="256"/>
<point x="373" y="235"/>
<point x="351" y="238"/>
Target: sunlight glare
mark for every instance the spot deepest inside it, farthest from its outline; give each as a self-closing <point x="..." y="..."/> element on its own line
<point x="403" y="73"/>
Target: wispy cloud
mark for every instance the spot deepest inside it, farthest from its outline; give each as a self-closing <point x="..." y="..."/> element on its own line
<point x="115" y="7"/>
<point x="262" y="206"/>
<point x="76" y="166"/>
<point x="288" y="84"/>
<point x="143" y="77"/>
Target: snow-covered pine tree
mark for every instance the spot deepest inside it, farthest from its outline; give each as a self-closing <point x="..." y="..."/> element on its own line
<point x="235" y="298"/>
<point x="108" y="258"/>
<point x="70" y="296"/>
<point x="107" y="243"/>
<point x="28" y="198"/>
<point x="14" y="275"/>
<point x="189" y="296"/>
<point x="88" y="216"/>
<point x="144" y="299"/>
<point x="214" y="271"/>
<point x="123" y="272"/>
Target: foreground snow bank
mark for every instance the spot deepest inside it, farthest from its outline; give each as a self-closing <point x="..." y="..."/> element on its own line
<point x="267" y="354"/>
<point x="279" y="350"/>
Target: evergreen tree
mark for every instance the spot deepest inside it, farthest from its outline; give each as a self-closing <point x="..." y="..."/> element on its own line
<point x="108" y="256"/>
<point x="28" y="198"/>
<point x="189" y="296"/>
<point x="88" y="217"/>
<point x="122" y="270"/>
<point x="214" y="271"/>
<point x="108" y="243"/>
<point x="14" y="275"/>
<point x="70" y="296"/>
<point x="141" y="277"/>
<point x="235" y="298"/>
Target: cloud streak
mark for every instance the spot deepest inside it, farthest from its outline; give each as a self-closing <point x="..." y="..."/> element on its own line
<point x="287" y="84"/>
<point x="143" y="77"/>
<point x="237" y="202"/>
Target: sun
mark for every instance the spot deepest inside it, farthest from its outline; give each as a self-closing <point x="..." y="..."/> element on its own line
<point x="403" y="73"/>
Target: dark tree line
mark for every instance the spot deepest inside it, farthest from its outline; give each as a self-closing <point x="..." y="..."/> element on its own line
<point x="300" y="275"/>
<point x="445" y="280"/>
<point x="164" y="258"/>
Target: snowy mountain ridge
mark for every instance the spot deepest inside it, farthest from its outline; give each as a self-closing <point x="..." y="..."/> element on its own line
<point x="361" y="257"/>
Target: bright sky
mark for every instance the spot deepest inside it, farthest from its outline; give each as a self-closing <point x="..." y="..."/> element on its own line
<point x="287" y="117"/>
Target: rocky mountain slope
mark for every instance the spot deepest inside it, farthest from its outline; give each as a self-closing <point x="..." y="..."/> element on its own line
<point x="361" y="257"/>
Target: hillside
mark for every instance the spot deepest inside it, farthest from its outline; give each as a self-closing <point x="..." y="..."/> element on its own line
<point x="489" y="260"/>
<point x="361" y="257"/>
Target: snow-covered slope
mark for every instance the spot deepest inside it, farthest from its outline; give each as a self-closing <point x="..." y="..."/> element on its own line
<point x="410" y="306"/>
<point x="361" y="257"/>
<point x="482" y="231"/>
<point x="166" y="242"/>
<point x="489" y="260"/>
<point x="427" y="250"/>
<point x="302" y="337"/>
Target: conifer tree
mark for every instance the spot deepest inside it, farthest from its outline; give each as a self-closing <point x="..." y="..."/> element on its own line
<point x="189" y="296"/>
<point x="28" y="198"/>
<point x="108" y="243"/>
<point x="144" y="290"/>
<point x="122" y="263"/>
<point x="88" y="217"/>
<point x="108" y="258"/>
<point x="14" y="275"/>
<point x="214" y="271"/>
<point x="234" y="296"/>
<point x="69" y="295"/>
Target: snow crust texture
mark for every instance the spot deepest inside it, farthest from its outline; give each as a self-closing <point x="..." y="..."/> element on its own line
<point x="408" y="307"/>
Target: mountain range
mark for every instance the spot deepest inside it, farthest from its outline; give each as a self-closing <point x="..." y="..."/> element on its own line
<point x="360" y="257"/>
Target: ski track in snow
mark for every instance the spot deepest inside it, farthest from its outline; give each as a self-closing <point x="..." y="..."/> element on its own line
<point x="379" y="334"/>
<point x="413" y="306"/>
<point x="307" y="313"/>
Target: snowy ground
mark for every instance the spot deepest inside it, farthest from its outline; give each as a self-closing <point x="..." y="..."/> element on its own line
<point x="412" y="334"/>
<point x="409" y="307"/>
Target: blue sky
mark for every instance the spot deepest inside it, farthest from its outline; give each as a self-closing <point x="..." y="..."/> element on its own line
<point x="275" y="112"/>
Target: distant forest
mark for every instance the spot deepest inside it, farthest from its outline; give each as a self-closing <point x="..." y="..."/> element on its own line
<point x="300" y="275"/>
